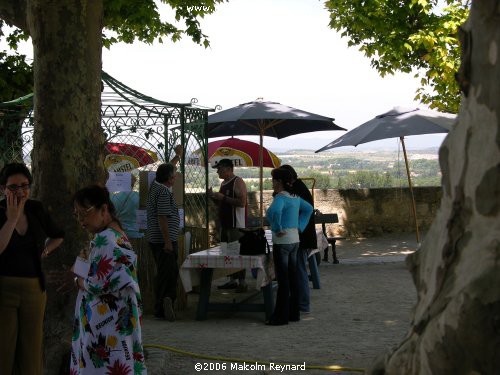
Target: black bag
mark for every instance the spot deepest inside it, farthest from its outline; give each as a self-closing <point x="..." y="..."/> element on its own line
<point x="254" y="242"/>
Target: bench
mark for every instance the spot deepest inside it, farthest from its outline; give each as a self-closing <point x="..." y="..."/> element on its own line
<point x="323" y="219"/>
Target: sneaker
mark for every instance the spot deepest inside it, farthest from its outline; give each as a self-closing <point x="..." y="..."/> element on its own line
<point x="232" y="284"/>
<point x="168" y="309"/>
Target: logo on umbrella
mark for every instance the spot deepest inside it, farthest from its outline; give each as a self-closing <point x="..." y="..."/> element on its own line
<point x="123" y="157"/>
<point x="242" y="153"/>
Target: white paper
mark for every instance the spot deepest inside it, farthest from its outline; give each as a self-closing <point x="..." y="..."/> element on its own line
<point x="119" y="181"/>
<point x="230" y="248"/>
<point x="81" y="267"/>
<point x="141" y="219"/>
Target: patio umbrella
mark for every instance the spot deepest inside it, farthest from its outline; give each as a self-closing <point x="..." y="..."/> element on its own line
<point x="242" y="153"/>
<point x="266" y="119"/>
<point x="124" y="157"/>
<point x="398" y="122"/>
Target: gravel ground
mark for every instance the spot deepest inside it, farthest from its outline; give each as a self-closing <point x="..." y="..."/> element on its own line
<point x="362" y="309"/>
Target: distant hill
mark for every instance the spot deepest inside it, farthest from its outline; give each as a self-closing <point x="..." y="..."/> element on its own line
<point x="353" y="151"/>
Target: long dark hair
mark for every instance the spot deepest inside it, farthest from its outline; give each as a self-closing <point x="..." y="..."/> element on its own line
<point x="285" y="176"/>
<point x="96" y="196"/>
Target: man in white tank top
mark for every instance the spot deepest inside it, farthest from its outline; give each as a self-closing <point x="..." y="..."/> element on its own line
<point x="232" y="202"/>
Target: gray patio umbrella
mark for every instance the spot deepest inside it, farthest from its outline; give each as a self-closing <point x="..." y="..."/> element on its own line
<point x="398" y="122"/>
<point x="266" y="119"/>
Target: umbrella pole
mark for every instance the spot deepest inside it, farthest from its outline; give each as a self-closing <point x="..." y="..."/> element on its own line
<point x="413" y="206"/>
<point x="261" y="182"/>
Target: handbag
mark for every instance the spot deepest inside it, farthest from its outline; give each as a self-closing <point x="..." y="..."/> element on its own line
<point x="254" y="242"/>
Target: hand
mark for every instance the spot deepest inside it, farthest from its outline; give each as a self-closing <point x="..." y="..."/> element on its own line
<point x="179" y="151"/>
<point x="280" y="233"/>
<point x="15" y="206"/>
<point x="217" y="196"/>
<point x="168" y="248"/>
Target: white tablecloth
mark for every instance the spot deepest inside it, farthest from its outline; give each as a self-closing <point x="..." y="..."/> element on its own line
<point x="224" y="264"/>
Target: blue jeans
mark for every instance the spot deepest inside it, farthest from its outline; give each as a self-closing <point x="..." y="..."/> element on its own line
<point x="303" y="280"/>
<point x="285" y="264"/>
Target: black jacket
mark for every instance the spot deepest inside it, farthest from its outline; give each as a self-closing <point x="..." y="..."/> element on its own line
<point x="308" y="236"/>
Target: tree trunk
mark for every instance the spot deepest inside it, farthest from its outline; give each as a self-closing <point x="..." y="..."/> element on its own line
<point x="455" y="327"/>
<point x="67" y="48"/>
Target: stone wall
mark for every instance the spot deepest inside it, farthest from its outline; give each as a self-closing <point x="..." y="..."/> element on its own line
<point x="363" y="212"/>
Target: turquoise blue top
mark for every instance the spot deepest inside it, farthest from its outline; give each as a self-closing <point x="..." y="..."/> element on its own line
<point x="126" y="203"/>
<point x="290" y="214"/>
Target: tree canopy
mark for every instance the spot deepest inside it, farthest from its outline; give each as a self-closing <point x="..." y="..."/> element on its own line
<point x="124" y="21"/>
<point x="412" y="36"/>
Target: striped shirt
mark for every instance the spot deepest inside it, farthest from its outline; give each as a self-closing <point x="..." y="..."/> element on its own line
<point x="161" y="203"/>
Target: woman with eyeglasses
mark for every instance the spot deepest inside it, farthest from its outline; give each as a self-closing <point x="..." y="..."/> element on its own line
<point x="27" y="234"/>
<point x="107" y="323"/>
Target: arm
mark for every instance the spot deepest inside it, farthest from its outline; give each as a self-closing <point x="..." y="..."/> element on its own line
<point x="163" y="222"/>
<point x="178" y="154"/>
<point x="13" y="212"/>
<point x="165" y="209"/>
<point x="6" y="234"/>
<point x="110" y="266"/>
<point x="51" y="244"/>
<point x="274" y="214"/>
<point x="240" y="192"/>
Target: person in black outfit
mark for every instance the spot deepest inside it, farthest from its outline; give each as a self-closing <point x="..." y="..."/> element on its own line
<point x="307" y="239"/>
<point x="27" y="234"/>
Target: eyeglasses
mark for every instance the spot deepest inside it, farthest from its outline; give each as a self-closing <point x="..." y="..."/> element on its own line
<point x="82" y="215"/>
<point x="14" y="188"/>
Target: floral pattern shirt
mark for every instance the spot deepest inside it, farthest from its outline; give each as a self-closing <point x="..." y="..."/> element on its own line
<point x="107" y="322"/>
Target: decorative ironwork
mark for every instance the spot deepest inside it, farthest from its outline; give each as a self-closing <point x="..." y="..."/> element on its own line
<point x="131" y="118"/>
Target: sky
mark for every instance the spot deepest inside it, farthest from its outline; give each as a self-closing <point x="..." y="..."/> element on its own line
<point x="278" y="50"/>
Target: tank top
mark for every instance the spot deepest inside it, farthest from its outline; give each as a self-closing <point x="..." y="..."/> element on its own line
<point x="230" y="216"/>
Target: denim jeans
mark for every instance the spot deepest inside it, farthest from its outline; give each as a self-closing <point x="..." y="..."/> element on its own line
<point x="303" y="280"/>
<point x="285" y="264"/>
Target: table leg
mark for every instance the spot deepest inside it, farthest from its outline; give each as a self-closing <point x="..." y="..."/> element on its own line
<point x="313" y="268"/>
<point x="205" y="287"/>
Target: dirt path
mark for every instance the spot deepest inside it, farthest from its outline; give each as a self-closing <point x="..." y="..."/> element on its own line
<point x="361" y="310"/>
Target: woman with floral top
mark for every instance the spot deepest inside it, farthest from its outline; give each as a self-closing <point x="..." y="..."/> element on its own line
<point x="107" y="325"/>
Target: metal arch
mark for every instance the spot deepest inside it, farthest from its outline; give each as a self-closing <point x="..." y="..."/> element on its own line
<point x="129" y="116"/>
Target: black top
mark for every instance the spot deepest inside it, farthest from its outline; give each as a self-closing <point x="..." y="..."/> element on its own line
<point x="307" y="238"/>
<point x="22" y="256"/>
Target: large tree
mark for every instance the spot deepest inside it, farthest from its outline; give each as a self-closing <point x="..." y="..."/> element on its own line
<point x="418" y="36"/>
<point x="455" y="327"/>
<point x="67" y="37"/>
